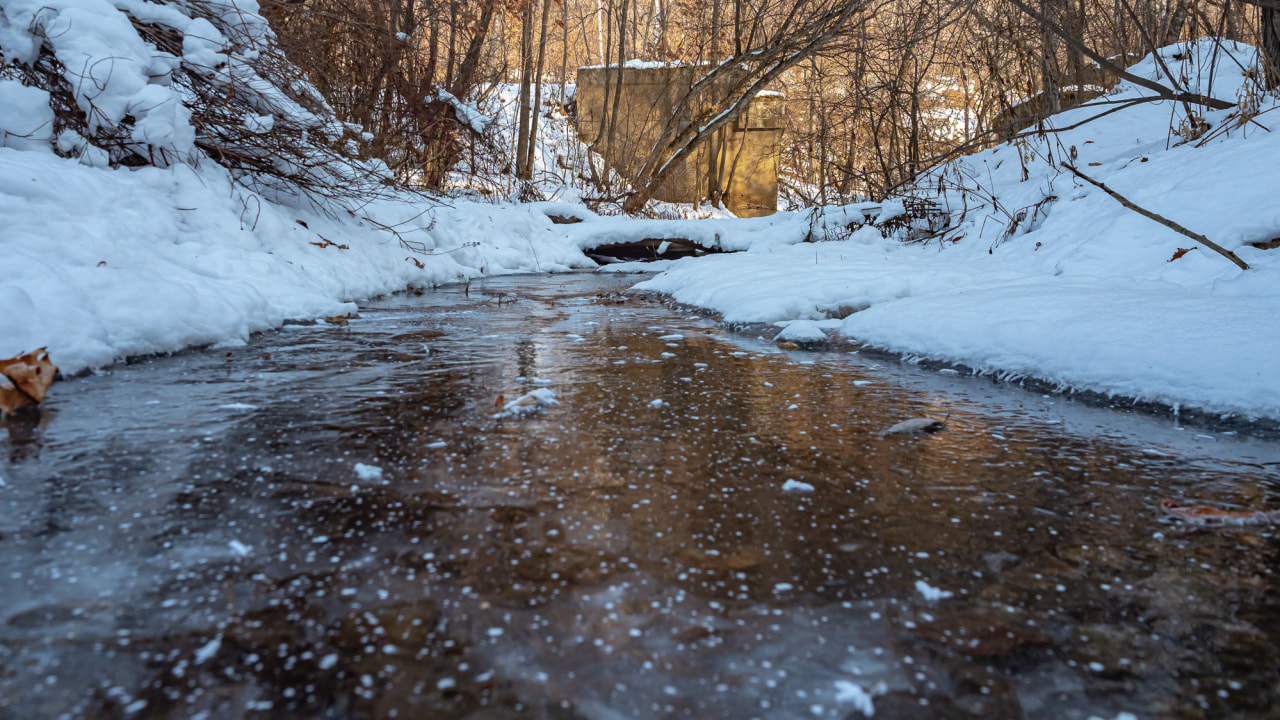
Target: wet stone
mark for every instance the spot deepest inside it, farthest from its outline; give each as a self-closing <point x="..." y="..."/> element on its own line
<point x="330" y="522"/>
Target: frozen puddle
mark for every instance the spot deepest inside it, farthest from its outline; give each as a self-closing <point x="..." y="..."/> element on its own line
<point x="459" y="508"/>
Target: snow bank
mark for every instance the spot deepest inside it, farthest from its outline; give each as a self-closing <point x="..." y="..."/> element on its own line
<point x="732" y="234"/>
<point x="1054" y="279"/>
<point x="103" y="264"/>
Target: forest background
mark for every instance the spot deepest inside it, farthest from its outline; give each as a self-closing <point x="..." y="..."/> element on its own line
<point x="877" y="90"/>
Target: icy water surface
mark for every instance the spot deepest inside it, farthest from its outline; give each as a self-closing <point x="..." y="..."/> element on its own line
<point x="331" y="523"/>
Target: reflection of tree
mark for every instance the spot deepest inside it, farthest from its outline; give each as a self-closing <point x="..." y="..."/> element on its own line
<point x="526" y="357"/>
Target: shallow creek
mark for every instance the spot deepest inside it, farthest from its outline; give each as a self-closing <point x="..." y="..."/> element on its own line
<point x="331" y="522"/>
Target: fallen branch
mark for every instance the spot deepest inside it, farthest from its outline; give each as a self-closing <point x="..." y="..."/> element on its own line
<point x="1160" y="218"/>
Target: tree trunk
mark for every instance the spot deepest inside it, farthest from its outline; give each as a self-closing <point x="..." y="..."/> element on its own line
<point x="737" y="27"/>
<point x="564" y="54"/>
<point x="1269" y="26"/>
<point x="450" y="63"/>
<point x="600" y="30"/>
<point x="715" y="31"/>
<point x="617" y="89"/>
<point x="537" y="90"/>
<point x="523" y="170"/>
<point x="461" y="84"/>
<point x="433" y="48"/>
<point x="1051" y="75"/>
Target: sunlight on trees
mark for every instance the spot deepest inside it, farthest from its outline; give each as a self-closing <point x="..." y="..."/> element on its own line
<point x="877" y="90"/>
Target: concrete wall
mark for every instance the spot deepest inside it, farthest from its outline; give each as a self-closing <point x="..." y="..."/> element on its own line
<point x="746" y="151"/>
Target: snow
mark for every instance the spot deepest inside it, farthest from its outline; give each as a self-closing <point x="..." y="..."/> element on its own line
<point x="101" y="264"/>
<point x="932" y="594"/>
<point x="105" y="264"/>
<point x="860" y="699"/>
<point x="636" y="64"/>
<point x="205" y="652"/>
<point x="367" y="472"/>
<point x="1083" y="294"/>
<point x="26" y="122"/>
<point x="529" y="403"/>
<point x="1053" y="279"/>
<point x="796" y="486"/>
<point x="802" y="331"/>
<point x="648" y="266"/>
<point x="468" y="114"/>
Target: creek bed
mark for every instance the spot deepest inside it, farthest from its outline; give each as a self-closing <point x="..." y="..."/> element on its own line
<point x="334" y="521"/>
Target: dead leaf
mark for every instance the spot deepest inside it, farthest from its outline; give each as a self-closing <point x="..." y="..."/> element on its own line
<point x="1182" y="251"/>
<point x="32" y="373"/>
<point x="1205" y="515"/>
<point x="336" y="320"/>
<point x="25" y="379"/>
<point x="11" y="398"/>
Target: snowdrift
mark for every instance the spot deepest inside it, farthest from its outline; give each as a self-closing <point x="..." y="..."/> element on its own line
<point x="1039" y="274"/>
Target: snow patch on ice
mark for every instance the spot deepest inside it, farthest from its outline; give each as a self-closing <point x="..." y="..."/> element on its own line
<point x="930" y="593"/>
<point x="853" y="694"/>
<point x="802" y="331"/>
<point x="208" y="650"/>
<point x="367" y="472"/>
<point x="531" y="402"/>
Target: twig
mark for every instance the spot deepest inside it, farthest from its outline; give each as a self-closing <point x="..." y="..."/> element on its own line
<point x="1159" y="218"/>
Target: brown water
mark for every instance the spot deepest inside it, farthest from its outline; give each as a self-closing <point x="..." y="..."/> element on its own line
<point x="189" y="536"/>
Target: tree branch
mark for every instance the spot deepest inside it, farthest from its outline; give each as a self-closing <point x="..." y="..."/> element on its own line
<point x="1165" y="92"/>
<point x="1159" y="218"/>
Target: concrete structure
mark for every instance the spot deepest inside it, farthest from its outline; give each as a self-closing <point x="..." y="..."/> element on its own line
<point x="746" y="151"/>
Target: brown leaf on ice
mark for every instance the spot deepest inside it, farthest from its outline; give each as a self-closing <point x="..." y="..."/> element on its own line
<point x="25" y="379"/>
<point x="1206" y="515"/>
<point x="11" y="398"/>
<point x="1181" y="252"/>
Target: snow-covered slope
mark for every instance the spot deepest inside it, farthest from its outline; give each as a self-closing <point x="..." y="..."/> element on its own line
<point x="99" y="264"/>
<point x="103" y="264"/>
<point x="1079" y="291"/>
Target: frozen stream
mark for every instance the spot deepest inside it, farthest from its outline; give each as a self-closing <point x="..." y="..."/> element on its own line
<point x="330" y="522"/>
